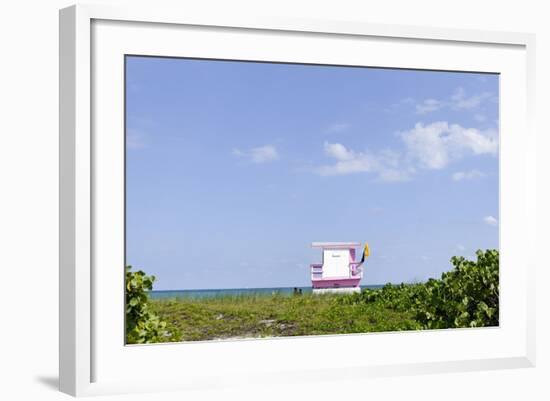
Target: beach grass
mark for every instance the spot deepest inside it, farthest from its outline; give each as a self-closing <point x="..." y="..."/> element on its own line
<point x="275" y="315"/>
<point x="465" y="296"/>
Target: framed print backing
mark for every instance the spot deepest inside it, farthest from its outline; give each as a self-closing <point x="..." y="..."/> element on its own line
<point x="94" y="359"/>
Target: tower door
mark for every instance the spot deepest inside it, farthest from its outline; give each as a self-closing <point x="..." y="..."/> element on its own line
<point x="335" y="263"/>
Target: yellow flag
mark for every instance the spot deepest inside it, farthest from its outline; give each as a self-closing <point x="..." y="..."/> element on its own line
<point x="366" y="251"/>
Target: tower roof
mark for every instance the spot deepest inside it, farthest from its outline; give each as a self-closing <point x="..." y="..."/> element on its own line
<point x="335" y="245"/>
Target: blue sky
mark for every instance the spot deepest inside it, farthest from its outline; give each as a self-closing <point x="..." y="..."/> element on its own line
<point x="234" y="168"/>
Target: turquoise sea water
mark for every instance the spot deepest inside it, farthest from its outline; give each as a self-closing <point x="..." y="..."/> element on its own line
<point x="163" y="294"/>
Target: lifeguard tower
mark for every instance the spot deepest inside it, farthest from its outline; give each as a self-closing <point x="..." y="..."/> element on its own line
<point x="339" y="272"/>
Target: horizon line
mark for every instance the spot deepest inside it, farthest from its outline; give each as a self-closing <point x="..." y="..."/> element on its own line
<point x="264" y="288"/>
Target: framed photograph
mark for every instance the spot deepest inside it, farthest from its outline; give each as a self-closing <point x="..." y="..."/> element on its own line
<point x="275" y="200"/>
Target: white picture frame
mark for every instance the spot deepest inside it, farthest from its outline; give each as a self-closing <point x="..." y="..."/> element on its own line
<point x="92" y="39"/>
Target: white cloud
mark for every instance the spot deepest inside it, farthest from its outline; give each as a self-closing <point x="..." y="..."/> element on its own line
<point x="431" y="146"/>
<point x="458" y="94"/>
<point x="338" y="151"/>
<point x="429" y="105"/>
<point x="385" y="163"/>
<point x="459" y="100"/>
<point x="394" y="106"/>
<point x="467" y="175"/>
<point x="264" y="154"/>
<point x="460" y="247"/>
<point x="259" y="155"/>
<point x="347" y="161"/>
<point x="338" y="127"/>
<point x="435" y="145"/>
<point x="237" y="152"/>
<point x="490" y="220"/>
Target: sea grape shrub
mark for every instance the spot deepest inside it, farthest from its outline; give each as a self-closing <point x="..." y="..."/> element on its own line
<point x="467" y="296"/>
<point x="397" y="298"/>
<point x="142" y="325"/>
<point x="400" y="298"/>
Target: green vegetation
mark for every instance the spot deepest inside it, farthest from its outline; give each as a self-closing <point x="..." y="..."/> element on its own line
<point x="466" y="296"/>
<point x="142" y="324"/>
<point x="276" y="315"/>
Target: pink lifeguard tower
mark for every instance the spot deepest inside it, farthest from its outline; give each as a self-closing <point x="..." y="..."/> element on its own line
<point x="339" y="272"/>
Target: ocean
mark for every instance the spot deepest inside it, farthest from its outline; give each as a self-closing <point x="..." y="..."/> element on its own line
<point x="163" y="294"/>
